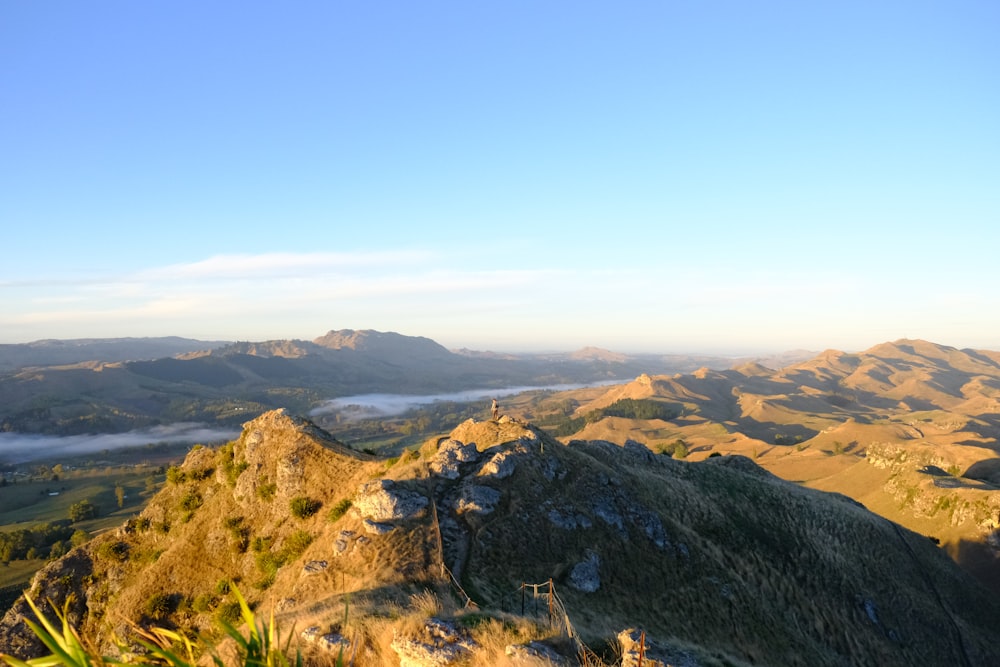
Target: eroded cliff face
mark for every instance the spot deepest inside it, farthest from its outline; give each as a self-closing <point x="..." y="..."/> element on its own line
<point x="629" y="539"/>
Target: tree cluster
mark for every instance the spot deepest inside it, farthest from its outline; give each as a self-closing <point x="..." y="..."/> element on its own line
<point x="36" y="542"/>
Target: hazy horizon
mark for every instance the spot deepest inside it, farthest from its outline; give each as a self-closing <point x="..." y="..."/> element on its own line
<point x="735" y="351"/>
<point x="726" y="178"/>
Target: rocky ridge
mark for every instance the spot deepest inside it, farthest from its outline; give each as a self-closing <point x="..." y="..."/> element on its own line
<point x="718" y="562"/>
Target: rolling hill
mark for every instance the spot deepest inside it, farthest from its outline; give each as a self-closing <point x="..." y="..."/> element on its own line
<point x="221" y="385"/>
<point x="909" y="428"/>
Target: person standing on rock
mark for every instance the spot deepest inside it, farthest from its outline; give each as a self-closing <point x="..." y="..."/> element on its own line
<point x="495" y="410"/>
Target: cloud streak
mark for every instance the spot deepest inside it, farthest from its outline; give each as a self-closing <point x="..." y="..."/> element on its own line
<point x="24" y="448"/>
<point x="365" y="406"/>
<point x="247" y="266"/>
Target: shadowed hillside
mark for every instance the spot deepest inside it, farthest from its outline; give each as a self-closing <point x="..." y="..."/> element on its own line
<point x="719" y="561"/>
<point x="909" y="428"/>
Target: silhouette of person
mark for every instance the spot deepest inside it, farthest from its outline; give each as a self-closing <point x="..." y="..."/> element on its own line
<point x="496" y="410"/>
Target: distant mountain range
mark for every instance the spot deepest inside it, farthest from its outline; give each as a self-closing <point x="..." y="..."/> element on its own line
<point x="54" y="352"/>
<point x="95" y="386"/>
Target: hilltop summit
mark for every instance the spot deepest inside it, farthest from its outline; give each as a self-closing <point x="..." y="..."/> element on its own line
<point x="718" y="561"/>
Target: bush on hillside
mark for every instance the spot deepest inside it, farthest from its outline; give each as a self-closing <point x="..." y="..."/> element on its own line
<point x="303" y="507"/>
<point x="339" y="510"/>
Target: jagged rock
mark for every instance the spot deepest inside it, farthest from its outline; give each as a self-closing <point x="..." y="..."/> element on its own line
<point x="377" y="527"/>
<point x="334" y="641"/>
<point x="654" y="653"/>
<point x="314" y="567"/>
<point x="379" y="500"/>
<point x="446" y="646"/>
<point x="290" y="475"/>
<point x="585" y="575"/>
<point x="605" y="510"/>
<point x="650" y="524"/>
<point x="450" y="455"/>
<point x="477" y="499"/>
<point x="535" y="654"/>
<point x="342" y="542"/>
<point x="568" y="520"/>
<point x="331" y="641"/>
<point x="502" y="465"/>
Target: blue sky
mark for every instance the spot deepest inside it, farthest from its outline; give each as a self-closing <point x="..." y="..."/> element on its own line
<point x="640" y="176"/>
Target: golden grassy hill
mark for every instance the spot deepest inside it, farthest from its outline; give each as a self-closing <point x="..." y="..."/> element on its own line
<point x="717" y="560"/>
<point x="828" y="422"/>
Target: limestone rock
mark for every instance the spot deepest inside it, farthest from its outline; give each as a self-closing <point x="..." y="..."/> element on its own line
<point x="441" y="644"/>
<point x="477" y="499"/>
<point x="377" y="527"/>
<point x="380" y="500"/>
<point x="331" y="641"/>
<point x="450" y="455"/>
<point x="314" y="567"/>
<point x="585" y="575"/>
<point x="500" y="466"/>
<point x="535" y="654"/>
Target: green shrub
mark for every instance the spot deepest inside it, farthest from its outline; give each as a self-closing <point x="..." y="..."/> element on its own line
<point x="175" y="475"/>
<point x="190" y="501"/>
<point x="204" y="602"/>
<point x="261" y="543"/>
<point x="159" y="606"/>
<point x="303" y="507"/>
<point x="113" y="551"/>
<point x="339" y="510"/>
<point x="266" y="490"/>
<point x="228" y="613"/>
<point x="296" y="543"/>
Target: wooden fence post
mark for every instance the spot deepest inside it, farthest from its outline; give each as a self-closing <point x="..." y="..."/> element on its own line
<point x="551" y="600"/>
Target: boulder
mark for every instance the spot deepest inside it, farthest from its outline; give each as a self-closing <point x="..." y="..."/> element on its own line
<point x="314" y="567"/>
<point x="440" y="644"/>
<point x="380" y="500"/>
<point x="377" y="527"/>
<point x="535" y="654"/>
<point x="450" y="454"/>
<point x="585" y="575"/>
<point x="477" y="499"/>
<point x="501" y="465"/>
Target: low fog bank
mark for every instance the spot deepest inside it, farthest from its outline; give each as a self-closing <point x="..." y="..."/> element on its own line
<point x="388" y="405"/>
<point x="22" y="447"/>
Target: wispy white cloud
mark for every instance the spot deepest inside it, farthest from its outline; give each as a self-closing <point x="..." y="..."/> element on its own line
<point x="248" y="266"/>
<point x="20" y="448"/>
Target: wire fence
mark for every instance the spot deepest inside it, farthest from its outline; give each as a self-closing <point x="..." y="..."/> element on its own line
<point x="542" y="602"/>
<point x="538" y="601"/>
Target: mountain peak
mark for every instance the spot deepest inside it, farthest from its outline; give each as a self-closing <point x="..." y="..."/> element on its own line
<point x="383" y="343"/>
